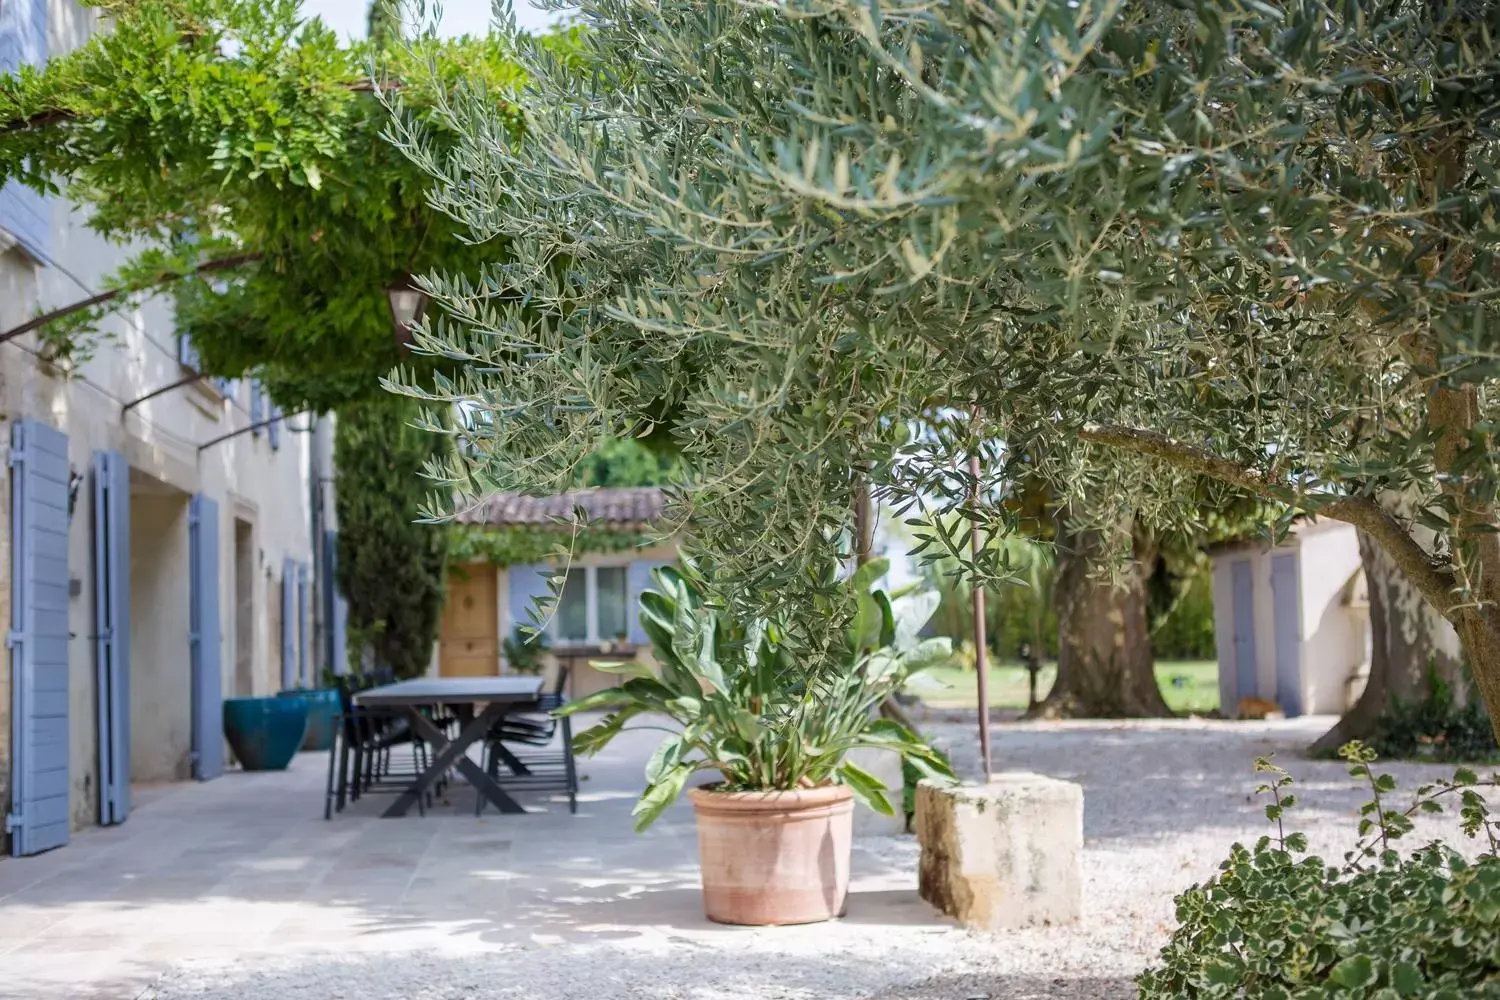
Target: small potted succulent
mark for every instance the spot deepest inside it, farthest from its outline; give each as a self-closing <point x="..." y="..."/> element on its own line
<point x="774" y="830"/>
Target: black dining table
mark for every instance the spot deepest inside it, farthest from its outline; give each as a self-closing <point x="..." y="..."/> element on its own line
<point x="478" y="703"/>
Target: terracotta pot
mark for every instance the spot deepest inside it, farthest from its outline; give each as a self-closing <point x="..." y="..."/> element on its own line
<point x="774" y="857"/>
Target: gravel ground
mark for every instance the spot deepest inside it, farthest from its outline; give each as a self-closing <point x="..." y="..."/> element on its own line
<point x="1163" y="803"/>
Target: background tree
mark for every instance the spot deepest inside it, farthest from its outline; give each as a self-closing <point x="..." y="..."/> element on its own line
<point x="1150" y="246"/>
<point x="391" y="567"/>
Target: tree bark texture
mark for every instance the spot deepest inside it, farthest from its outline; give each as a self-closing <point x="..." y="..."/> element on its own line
<point x="1105" y="662"/>
<point x="1407" y="635"/>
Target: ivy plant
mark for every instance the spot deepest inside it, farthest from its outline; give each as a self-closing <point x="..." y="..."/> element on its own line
<point x="1277" y="923"/>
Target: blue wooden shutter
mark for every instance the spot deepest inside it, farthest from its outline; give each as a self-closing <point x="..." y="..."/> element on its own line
<point x="203" y="640"/>
<point x="288" y="623"/>
<point x="637" y="582"/>
<point x="1288" y="624"/>
<point x="257" y="406"/>
<point x="38" y="639"/>
<point x="335" y="608"/>
<point x="273" y="429"/>
<point x="527" y="585"/>
<point x="112" y="631"/>
<point x="187" y="354"/>
<point x="304" y="669"/>
<point x="1246" y="683"/>
<point x="24" y="213"/>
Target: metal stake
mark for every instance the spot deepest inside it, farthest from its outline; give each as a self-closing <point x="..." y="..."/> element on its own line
<point x="981" y="654"/>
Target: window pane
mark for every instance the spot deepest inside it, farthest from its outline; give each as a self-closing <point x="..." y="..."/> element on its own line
<point x="613" y="612"/>
<point x="573" y="608"/>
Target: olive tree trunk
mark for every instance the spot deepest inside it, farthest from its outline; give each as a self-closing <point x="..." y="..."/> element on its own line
<point x="1104" y="660"/>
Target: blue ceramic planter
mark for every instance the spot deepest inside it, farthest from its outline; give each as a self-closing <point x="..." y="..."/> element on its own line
<point x="323" y="711"/>
<point x="265" y="732"/>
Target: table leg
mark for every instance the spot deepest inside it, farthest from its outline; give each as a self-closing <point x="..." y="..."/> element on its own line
<point x="511" y="760"/>
<point x="454" y="754"/>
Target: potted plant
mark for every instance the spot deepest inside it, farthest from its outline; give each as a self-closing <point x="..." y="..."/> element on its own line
<point x="322" y="714"/>
<point x="265" y="733"/>
<point x="774" y="831"/>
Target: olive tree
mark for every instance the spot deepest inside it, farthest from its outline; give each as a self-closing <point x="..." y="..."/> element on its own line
<point x="1157" y="250"/>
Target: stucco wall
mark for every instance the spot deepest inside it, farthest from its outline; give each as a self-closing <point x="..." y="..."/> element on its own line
<point x="161" y="725"/>
<point x="1334" y="641"/>
<point x="161" y="439"/>
<point x="1331" y="636"/>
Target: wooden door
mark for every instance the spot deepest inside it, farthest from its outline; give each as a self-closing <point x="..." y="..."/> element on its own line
<point x="470" y="640"/>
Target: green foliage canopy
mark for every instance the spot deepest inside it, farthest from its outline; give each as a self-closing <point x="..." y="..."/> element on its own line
<point x="236" y="130"/>
<point x="1141" y="244"/>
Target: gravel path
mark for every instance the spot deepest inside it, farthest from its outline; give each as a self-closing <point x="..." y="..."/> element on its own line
<point x="1163" y="802"/>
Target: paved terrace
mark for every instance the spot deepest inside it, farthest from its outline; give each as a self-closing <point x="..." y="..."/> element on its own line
<point x="238" y="889"/>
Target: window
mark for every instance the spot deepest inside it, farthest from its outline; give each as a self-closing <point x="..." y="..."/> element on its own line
<point x="610" y="586"/>
<point x="594" y="606"/>
<point x="573" y="608"/>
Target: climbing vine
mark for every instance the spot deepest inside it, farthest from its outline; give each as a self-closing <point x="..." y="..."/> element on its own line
<point x="238" y="146"/>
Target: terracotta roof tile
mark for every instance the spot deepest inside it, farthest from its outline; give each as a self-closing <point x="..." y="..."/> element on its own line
<point x="614" y="507"/>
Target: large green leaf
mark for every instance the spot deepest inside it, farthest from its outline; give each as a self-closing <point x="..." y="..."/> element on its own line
<point x="666" y="756"/>
<point x="660" y="794"/>
<point x="649" y="692"/>
<point x="866" y="787"/>
<point x="597" y="737"/>
<point x="628" y="668"/>
<point x="608" y="698"/>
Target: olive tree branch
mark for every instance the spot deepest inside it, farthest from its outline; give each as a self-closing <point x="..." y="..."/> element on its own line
<point x="1434" y="580"/>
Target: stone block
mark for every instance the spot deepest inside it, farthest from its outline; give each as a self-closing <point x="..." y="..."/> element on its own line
<point x="885" y="765"/>
<point x="1002" y="855"/>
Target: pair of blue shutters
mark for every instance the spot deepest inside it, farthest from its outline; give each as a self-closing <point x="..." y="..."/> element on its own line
<point x="39" y="810"/>
<point x="528" y="590"/>
<point x="112" y="631"/>
<point x="1287" y="632"/>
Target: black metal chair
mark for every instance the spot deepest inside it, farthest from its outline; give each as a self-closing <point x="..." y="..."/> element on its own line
<point x="543" y="769"/>
<point x="360" y="761"/>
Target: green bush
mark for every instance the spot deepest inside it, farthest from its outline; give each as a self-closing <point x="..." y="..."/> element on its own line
<point x="1186" y="630"/>
<point x="1279" y="924"/>
<point x="390" y="567"/>
<point x="1436" y="727"/>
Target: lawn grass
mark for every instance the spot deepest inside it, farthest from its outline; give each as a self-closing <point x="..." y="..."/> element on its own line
<point x="1187" y="685"/>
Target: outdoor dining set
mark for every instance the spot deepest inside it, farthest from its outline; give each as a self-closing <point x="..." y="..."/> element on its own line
<point x="411" y="738"/>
